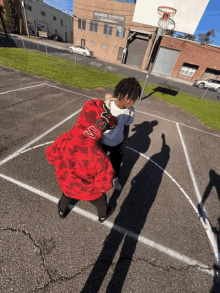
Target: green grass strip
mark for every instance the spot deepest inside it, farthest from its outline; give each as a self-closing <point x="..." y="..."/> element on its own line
<point x="89" y="77"/>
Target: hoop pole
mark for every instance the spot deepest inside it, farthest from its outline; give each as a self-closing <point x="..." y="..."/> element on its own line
<point x="155" y="49"/>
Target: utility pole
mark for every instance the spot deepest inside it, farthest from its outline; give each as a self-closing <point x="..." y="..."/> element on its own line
<point x="25" y="16"/>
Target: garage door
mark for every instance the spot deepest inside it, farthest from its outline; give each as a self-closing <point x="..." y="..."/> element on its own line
<point x="136" y="51"/>
<point x="165" y="61"/>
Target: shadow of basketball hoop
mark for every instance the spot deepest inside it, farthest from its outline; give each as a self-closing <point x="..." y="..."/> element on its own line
<point x="162" y="90"/>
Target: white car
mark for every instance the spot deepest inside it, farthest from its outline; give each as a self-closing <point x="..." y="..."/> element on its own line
<point x="80" y="50"/>
<point x="210" y="83"/>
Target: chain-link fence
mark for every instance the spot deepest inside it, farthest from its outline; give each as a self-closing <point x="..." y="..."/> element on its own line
<point x="15" y="42"/>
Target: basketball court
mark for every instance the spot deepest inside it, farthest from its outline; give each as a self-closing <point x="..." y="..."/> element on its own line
<point x="154" y="242"/>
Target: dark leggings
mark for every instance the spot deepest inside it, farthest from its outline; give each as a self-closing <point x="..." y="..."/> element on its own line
<point x="100" y="203"/>
<point x="115" y="156"/>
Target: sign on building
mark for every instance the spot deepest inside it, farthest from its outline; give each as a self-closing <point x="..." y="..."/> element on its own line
<point x="108" y="17"/>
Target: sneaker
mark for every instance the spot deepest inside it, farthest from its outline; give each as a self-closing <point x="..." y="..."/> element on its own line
<point x="110" y="211"/>
<point x="117" y="184"/>
<point x="63" y="214"/>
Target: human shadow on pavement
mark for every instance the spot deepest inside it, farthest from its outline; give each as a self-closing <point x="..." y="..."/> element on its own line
<point x="140" y="142"/>
<point x="132" y="217"/>
<point x="214" y="181"/>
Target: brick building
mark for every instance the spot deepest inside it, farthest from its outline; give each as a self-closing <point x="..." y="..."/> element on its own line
<point x="194" y="61"/>
<point x="106" y="28"/>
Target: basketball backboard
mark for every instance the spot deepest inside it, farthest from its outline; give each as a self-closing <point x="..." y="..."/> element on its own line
<point x="188" y="15"/>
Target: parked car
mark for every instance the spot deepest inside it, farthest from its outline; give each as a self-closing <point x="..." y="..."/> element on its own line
<point x="80" y="50"/>
<point x="56" y="37"/>
<point x="210" y="83"/>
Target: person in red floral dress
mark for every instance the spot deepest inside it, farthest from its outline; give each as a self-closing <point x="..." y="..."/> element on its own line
<point x="83" y="170"/>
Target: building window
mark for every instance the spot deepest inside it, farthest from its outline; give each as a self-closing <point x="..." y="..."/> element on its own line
<point x="120" y="32"/>
<point x="92" y="43"/>
<point x="104" y="45"/>
<point x="82" y="24"/>
<point x="93" y="26"/>
<point x="54" y="18"/>
<point x="107" y="29"/>
<point x="79" y="23"/>
<point x="43" y="13"/>
<point x="61" y="22"/>
<point x="188" y="71"/>
<point x="29" y="7"/>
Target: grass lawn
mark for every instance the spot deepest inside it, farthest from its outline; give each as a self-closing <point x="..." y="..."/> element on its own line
<point x="89" y="77"/>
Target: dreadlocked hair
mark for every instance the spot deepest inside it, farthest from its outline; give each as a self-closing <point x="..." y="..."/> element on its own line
<point x="128" y="86"/>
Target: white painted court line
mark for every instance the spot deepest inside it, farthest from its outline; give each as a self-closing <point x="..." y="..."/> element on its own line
<point x="24" y="88"/>
<point x="177" y="123"/>
<point x="16" y="153"/>
<point x="181" y="189"/>
<point x="170" y="252"/>
<point x="141" y="112"/>
<point x="70" y="91"/>
<point x="206" y="224"/>
<point x="36" y="146"/>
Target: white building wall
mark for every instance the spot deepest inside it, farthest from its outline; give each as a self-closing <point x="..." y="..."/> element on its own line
<point x="54" y="21"/>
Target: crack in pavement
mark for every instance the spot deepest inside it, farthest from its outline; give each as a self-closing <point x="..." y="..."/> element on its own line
<point x="62" y="279"/>
<point x="112" y="263"/>
<point x="35" y="244"/>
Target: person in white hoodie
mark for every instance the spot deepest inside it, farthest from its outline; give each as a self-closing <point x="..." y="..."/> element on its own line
<point x="126" y="93"/>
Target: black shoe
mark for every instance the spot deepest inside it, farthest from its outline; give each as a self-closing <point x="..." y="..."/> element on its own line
<point x="63" y="215"/>
<point x="110" y="211"/>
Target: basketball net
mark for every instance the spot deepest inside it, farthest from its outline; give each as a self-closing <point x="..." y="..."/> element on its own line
<point x="165" y="19"/>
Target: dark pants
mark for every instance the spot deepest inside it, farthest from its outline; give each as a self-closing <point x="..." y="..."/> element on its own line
<point x="100" y="203"/>
<point x="115" y="156"/>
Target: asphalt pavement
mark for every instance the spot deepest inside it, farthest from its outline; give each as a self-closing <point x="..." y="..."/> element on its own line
<point x="154" y="242"/>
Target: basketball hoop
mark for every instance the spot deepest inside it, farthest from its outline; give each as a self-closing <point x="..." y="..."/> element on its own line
<point x="166" y="14"/>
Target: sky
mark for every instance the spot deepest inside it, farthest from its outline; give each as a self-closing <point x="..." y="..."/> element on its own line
<point x="210" y="19"/>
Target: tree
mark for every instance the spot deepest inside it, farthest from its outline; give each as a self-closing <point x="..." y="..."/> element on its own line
<point x="1" y="12"/>
<point x="186" y="36"/>
<point x="205" y="38"/>
<point x="10" y="16"/>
